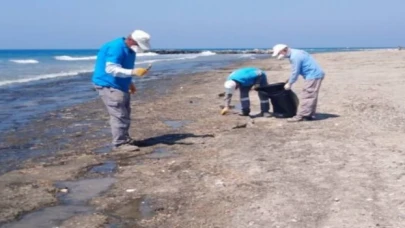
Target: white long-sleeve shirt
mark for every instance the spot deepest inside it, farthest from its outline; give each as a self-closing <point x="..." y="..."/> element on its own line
<point x="117" y="71"/>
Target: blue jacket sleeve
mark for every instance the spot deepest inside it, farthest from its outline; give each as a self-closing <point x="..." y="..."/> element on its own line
<point x="296" y="65"/>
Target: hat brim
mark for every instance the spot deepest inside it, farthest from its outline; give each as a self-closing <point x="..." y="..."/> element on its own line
<point x="144" y="45"/>
<point x="275" y="54"/>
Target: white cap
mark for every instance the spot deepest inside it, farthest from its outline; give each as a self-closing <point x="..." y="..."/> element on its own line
<point x="230" y="86"/>
<point x="278" y="48"/>
<point x="142" y="38"/>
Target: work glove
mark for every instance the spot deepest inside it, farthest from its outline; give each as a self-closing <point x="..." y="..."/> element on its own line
<point x="224" y="111"/>
<point x="140" y="72"/>
<point x="256" y="87"/>
<point x="287" y="86"/>
<point x="132" y="88"/>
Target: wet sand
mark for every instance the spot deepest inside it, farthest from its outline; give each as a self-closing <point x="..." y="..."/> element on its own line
<point x="199" y="169"/>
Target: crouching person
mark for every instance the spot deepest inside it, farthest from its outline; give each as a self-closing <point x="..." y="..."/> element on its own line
<point x="246" y="79"/>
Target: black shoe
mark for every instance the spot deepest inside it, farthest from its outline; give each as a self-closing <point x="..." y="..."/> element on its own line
<point x="245" y="112"/>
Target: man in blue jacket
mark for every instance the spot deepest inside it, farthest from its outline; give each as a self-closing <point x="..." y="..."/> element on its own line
<point x="245" y="79"/>
<point x="113" y="80"/>
<point x="302" y="64"/>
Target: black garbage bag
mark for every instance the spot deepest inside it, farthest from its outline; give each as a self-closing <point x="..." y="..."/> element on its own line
<point x="284" y="102"/>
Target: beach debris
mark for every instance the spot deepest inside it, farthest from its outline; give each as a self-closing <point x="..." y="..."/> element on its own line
<point x="336" y="199"/>
<point x="221" y="94"/>
<point x="239" y="125"/>
<point x="223" y="106"/>
<point x="245" y="124"/>
<point x="219" y="183"/>
<point x="130" y="190"/>
<point x="224" y="111"/>
<point x="64" y="190"/>
<point x="172" y="162"/>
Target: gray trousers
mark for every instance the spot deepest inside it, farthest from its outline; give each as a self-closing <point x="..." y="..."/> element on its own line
<point x="245" y="101"/>
<point x="118" y="106"/>
<point x="309" y="98"/>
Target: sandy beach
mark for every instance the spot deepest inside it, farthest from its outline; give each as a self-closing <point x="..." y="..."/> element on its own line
<point x="199" y="169"/>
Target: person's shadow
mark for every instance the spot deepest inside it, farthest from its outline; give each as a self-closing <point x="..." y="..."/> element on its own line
<point x="170" y="139"/>
<point x="318" y="116"/>
<point x="324" y="116"/>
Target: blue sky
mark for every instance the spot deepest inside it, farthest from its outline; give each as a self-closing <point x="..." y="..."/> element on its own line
<point x="203" y="24"/>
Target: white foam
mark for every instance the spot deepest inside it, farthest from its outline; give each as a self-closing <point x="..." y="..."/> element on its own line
<point x="178" y="57"/>
<point x="246" y="55"/>
<point x="70" y="58"/>
<point x="207" y="53"/>
<point x="88" y="58"/>
<point x="147" y="54"/>
<point x="188" y="57"/>
<point x="44" y="76"/>
<point x="24" y="61"/>
<point x="153" y="61"/>
<point x="249" y="56"/>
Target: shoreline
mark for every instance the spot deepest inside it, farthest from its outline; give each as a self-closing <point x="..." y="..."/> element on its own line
<point x="205" y="52"/>
<point x="146" y="92"/>
<point x="193" y="157"/>
<point x="23" y="102"/>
